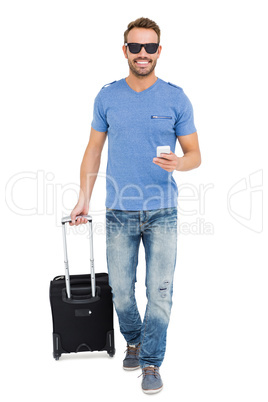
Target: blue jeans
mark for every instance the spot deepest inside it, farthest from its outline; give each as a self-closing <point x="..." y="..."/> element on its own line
<point x="158" y="231"/>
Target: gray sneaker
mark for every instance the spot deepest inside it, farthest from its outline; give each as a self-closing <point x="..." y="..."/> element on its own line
<point x="131" y="361"/>
<point x="151" y="382"/>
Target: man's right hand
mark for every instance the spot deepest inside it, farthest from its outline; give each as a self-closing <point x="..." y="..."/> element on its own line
<point x="81" y="208"/>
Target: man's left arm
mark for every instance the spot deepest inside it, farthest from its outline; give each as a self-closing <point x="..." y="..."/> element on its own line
<point x="191" y="158"/>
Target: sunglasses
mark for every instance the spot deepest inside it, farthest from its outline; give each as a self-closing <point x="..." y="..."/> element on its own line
<point x="135" y="48"/>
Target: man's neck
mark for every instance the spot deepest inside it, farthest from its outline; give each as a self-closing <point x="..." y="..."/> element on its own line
<point x="139" y="84"/>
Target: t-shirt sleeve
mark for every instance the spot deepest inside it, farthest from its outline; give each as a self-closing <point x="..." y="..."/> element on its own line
<point x="99" y="121"/>
<point x="185" y="122"/>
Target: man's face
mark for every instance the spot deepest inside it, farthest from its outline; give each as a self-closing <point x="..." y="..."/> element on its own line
<point x="142" y="64"/>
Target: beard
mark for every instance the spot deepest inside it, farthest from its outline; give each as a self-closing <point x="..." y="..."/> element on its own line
<point x="140" y="71"/>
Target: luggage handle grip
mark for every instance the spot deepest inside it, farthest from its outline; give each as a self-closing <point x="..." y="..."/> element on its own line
<point x="65" y="220"/>
<point x="81" y="299"/>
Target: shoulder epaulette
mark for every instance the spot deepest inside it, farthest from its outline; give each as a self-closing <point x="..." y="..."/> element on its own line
<point x="107" y="85"/>
<point x="173" y="85"/>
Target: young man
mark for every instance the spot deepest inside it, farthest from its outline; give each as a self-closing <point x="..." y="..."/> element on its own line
<point x="138" y="114"/>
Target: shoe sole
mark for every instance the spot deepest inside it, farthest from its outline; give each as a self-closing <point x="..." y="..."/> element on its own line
<point x="152" y="391"/>
<point x="131" y="368"/>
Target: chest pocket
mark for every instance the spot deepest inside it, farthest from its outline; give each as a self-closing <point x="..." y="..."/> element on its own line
<point x="156" y="117"/>
<point x="162" y="124"/>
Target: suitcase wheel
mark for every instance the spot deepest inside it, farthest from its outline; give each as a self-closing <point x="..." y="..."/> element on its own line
<point x="111" y="353"/>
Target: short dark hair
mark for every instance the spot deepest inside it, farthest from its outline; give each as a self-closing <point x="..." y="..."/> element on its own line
<point x="142" y="23"/>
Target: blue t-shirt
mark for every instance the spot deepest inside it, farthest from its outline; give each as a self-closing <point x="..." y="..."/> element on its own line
<point x="136" y="123"/>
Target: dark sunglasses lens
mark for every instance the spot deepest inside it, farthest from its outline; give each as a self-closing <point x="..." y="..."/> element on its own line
<point x="151" y="48"/>
<point x="134" y="47"/>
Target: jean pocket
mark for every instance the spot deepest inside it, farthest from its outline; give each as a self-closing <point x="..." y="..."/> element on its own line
<point x="112" y="218"/>
<point x="172" y="210"/>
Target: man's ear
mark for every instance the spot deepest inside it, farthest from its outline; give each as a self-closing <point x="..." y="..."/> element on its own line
<point x="159" y="51"/>
<point x="124" y="48"/>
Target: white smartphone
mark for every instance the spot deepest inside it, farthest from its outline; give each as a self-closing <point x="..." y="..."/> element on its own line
<point x="165" y="149"/>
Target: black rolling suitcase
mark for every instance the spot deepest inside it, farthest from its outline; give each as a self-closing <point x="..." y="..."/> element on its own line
<point x="82" y="308"/>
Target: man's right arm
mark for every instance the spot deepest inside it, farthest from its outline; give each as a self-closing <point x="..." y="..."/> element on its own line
<point x="88" y="174"/>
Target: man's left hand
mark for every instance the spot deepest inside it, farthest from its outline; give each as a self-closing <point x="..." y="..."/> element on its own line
<point x="169" y="163"/>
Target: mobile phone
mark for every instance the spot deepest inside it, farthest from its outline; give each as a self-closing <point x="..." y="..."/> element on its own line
<point x="165" y="149"/>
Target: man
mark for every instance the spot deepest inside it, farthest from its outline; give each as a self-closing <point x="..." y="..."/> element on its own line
<point x="138" y="114"/>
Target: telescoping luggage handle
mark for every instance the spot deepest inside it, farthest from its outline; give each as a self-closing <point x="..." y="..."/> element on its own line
<point x="65" y="220"/>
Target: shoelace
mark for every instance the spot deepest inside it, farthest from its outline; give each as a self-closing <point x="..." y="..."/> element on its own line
<point x="133" y="350"/>
<point x="150" y="371"/>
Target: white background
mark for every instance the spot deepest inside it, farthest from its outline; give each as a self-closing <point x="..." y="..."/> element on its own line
<point x="55" y="57"/>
